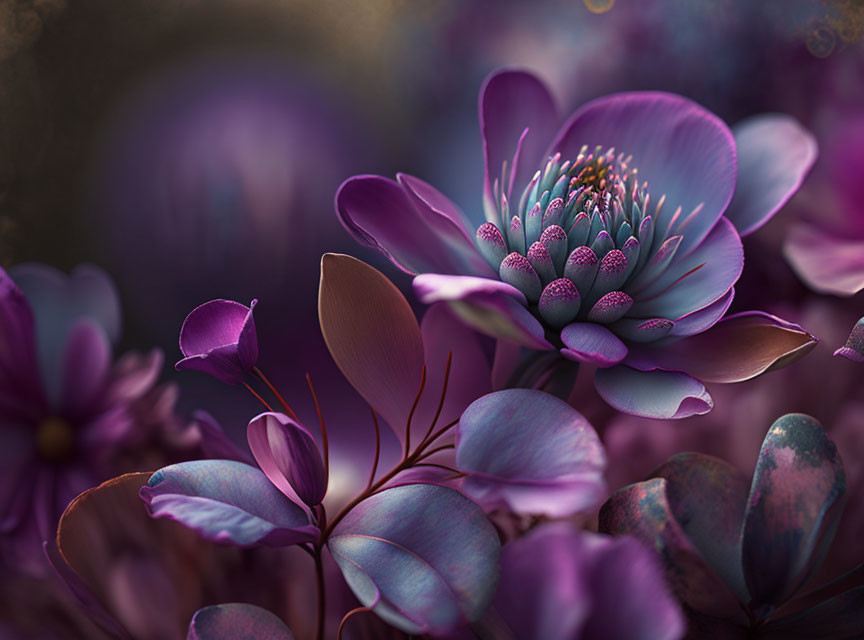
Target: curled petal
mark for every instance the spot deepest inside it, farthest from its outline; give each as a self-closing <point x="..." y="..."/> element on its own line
<point x="698" y="321"/>
<point x="372" y="335"/>
<point x="854" y="348"/>
<point x="775" y="154"/>
<point x="237" y="622"/>
<point x="490" y="306"/>
<point x="795" y="502"/>
<point x="826" y="263"/>
<point x="530" y="452"/>
<point x="594" y="343"/>
<point x="653" y="394"/>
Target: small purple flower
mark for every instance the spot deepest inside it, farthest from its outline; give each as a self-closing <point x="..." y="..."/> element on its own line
<point x="578" y="254"/>
<point x="219" y="338"/>
<point x="736" y="550"/>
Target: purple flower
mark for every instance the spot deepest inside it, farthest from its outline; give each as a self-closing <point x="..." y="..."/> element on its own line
<point x="558" y="583"/>
<point x="578" y="254"/>
<point x="736" y="550"/>
<point x="219" y="338"/>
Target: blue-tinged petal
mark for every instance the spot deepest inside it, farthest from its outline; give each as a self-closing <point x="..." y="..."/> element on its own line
<point x="795" y="503"/>
<point x="227" y="501"/>
<point x="684" y="152"/>
<point x="643" y="511"/>
<point x="854" y="348"/>
<point x="416" y="236"/>
<point x="237" y="621"/>
<point x="840" y="618"/>
<point x="705" y="318"/>
<point x="826" y="263"/>
<point x="652" y="394"/>
<point x="775" y="154"/>
<point x="372" y="335"/>
<point x="422" y="557"/>
<point x="528" y="451"/>
<point x="510" y="102"/>
<point x="695" y="281"/>
<point x="591" y="342"/>
<point x="490" y="306"/>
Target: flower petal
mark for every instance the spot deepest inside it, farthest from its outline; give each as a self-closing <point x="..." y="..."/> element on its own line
<point x="372" y="334"/>
<point x="652" y="394"/>
<point x="86" y="364"/>
<point x="696" y="280"/>
<point x="237" y="621"/>
<point x="20" y="384"/>
<point x="737" y="348"/>
<point x="775" y="154"/>
<point x="530" y="452"/>
<point x="642" y="510"/>
<point x="826" y="263"/>
<point x="490" y="306"/>
<point x="684" y="152"/>
<point x="795" y="502"/>
<point x="707" y="497"/>
<point x="838" y="618"/>
<point x="289" y="456"/>
<point x="510" y="102"/>
<point x="703" y="319"/>
<point x="591" y="342"/>
<point x="406" y="223"/>
<point x="423" y="557"/>
<point x="854" y="348"/>
<point x="229" y="502"/>
<point x="214" y="324"/>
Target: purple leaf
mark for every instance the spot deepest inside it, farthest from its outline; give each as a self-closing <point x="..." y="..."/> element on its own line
<point x="237" y="621"/>
<point x="423" y="557"/>
<point x="227" y="501"/>
<point x="795" y="502"/>
<point x="530" y="452"/>
<point x="289" y="456"/>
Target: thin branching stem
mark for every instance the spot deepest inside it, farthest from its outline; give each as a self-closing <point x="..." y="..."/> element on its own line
<point x="276" y="393"/>
<point x="441" y="399"/>
<point x="324" y="442"/>
<point x="411" y="414"/>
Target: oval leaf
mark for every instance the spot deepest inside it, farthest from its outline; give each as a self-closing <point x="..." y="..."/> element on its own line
<point x="795" y="502"/>
<point x="423" y="557"/>
<point x="530" y="452"/>
<point x="237" y="621"/>
<point x="372" y="334"/>
<point x="227" y="501"/>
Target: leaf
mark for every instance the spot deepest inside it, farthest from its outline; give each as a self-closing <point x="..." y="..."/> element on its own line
<point x="237" y="621"/>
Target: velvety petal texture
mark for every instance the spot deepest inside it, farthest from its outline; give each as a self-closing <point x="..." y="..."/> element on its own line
<point x="422" y="557"/>
<point x="237" y="621"/>
<point x="529" y="452"/>
<point x="372" y="334"/>
<point x="854" y="348"/>
<point x="227" y="501"/>
<point x="219" y="338"/>
<point x="775" y="154"/>
<point x="653" y="394"/>
<point x="288" y="454"/>
<point x="592" y="343"/>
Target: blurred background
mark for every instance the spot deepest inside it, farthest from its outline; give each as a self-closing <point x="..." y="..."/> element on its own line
<point x="192" y="147"/>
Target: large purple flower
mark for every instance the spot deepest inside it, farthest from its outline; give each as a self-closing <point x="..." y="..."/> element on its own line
<point x="578" y="254"/>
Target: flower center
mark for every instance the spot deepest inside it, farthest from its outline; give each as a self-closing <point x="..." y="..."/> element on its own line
<point x="55" y="439"/>
<point x="577" y="238"/>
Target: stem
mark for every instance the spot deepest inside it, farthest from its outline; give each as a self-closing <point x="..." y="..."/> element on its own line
<point x="270" y="386"/>
<point x="443" y="395"/>
<point x="345" y="619"/>
<point x="429" y="454"/>
<point x="255" y="393"/>
<point x="377" y="449"/>
<point x="413" y="409"/>
<point x="322" y="595"/>
<point x="427" y="441"/>
<point x="321" y="423"/>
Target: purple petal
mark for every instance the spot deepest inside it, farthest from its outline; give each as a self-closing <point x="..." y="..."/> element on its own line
<point x="826" y="263"/>
<point x="642" y="510"/>
<point x="705" y="318"/>
<point x="795" y="502"/>
<point x="228" y="502"/>
<point x="372" y="334"/>
<point x="490" y="306"/>
<point x="86" y="363"/>
<point x="696" y="280"/>
<point x="737" y="348"/>
<point x="510" y="102"/>
<point x="423" y="557"/>
<point x="19" y="375"/>
<point x="854" y="348"/>
<point x="708" y="496"/>
<point x="775" y="154"/>
<point x="289" y="456"/>
<point x="237" y="622"/>
<point x="530" y="452"/>
<point x="594" y="343"/>
<point x="684" y="152"/>
<point x="407" y="223"/>
<point x="653" y="394"/>
<point x="839" y="618"/>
